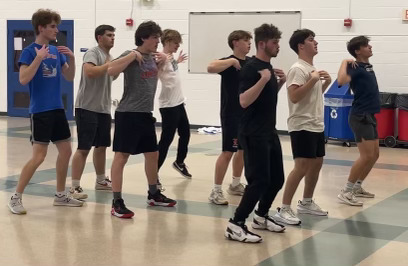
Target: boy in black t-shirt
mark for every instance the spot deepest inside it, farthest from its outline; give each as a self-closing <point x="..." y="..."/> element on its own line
<point x="231" y="111"/>
<point x="361" y="76"/>
<point x="259" y="87"/>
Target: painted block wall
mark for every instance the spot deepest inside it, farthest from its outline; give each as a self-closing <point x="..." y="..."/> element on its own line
<point x="379" y="19"/>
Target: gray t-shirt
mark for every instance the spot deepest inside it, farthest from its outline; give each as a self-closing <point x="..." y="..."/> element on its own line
<point x="94" y="94"/>
<point x="140" y="83"/>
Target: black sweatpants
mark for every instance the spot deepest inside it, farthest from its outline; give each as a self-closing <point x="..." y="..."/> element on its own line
<point x="174" y="118"/>
<point x="264" y="174"/>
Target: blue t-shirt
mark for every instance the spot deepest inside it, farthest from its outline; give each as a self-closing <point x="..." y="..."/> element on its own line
<point x="365" y="88"/>
<point x="45" y="87"/>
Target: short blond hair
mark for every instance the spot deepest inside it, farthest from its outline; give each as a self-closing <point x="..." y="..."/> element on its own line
<point x="171" y="35"/>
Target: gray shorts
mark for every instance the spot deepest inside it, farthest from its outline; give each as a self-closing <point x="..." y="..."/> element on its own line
<point x="364" y="126"/>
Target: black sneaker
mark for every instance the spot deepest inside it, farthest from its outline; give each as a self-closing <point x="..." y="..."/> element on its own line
<point x="158" y="199"/>
<point x="119" y="209"/>
<point x="182" y="169"/>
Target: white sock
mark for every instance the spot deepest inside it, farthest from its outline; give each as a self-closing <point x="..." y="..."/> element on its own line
<point x="17" y="195"/>
<point x="76" y="183"/>
<point x="60" y="194"/>
<point x="307" y="201"/>
<point x="349" y="186"/>
<point x="357" y="185"/>
<point x="236" y="181"/>
<point x="285" y="206"/>
<point x="100" y="178"/>
<point x="217" y="187"/>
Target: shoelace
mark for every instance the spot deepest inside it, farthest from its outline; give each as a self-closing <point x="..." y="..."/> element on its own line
<point x="17" y="203"/>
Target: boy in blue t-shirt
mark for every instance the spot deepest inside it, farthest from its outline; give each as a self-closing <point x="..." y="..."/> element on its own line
<point x="41" y="66"/>
<point x="361" y="76"/>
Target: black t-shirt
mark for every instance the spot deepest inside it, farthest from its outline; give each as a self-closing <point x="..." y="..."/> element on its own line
<point x="365" y="89"/>
<point x="230" y="106"/>
<point x="259" y="118"/>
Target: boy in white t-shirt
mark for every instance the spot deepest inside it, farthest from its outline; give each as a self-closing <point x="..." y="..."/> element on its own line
<point x="171" y="102"/>
<point x="305" y="85"/>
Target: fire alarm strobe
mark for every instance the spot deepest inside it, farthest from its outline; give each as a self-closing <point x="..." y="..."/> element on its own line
<point x="348" y="22"/>
<point x="129" y="22"/>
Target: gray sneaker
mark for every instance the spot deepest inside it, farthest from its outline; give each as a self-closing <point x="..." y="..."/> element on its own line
<point x="362" y="193"/>
<point x="78" y="193"/>
<point x="237" y="190"/>
<point x="16" y="206"/>
<point x="286" y="216"/>
<point x="349" y="198"/>
<point x="67" y="201"/>
<point x="311" y="208"/>
<point x="217" y="197"/>
<point x="106" y="184"/>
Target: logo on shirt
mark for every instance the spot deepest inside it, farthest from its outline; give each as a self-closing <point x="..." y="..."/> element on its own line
<point x="48" y="71"/>
<point x="369" y="68"/>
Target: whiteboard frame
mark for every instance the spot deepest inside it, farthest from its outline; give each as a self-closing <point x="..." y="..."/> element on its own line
<point x="232" y="12"/>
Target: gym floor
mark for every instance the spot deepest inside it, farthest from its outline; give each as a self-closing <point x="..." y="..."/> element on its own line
<point x="192" y="232"/>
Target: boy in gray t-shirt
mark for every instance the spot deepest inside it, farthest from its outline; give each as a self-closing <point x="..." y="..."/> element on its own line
<point x="93" y="112"/>
<point x="135" y="132"/>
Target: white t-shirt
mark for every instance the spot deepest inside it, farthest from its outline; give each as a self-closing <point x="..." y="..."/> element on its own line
<point x="171" y="94"/>
<point x="307" y="114"/>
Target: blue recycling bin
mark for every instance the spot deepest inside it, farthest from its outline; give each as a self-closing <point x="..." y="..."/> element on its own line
<point x="337" y="104"/>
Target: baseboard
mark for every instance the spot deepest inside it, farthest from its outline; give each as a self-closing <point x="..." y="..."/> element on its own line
<point x="3" y="113"/>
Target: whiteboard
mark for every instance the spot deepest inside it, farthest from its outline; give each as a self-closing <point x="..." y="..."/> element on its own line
<point x="208" y="34"/>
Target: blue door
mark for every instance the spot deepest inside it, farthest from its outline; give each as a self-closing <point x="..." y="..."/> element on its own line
<point x="20" y="34"/>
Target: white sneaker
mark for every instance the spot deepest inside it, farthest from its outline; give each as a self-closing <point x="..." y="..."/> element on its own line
<point x="236" y="190"/>
<point x="362" y="193"/>
<point x="217" y="197"/>
<point x="266" y="223"/>
<point x="311" y="208"/>
<point x="286" y="216"/>
<point x="16" y="206"/>
<point x="67" y="201"/>
<point x="78" y="193"/>
<point x="349" y="198"/>
<point x="241" y="233"/>
<point x="106" y="184"/>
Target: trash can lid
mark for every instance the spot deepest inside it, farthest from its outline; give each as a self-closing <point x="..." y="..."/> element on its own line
<point x="336" y="91"/>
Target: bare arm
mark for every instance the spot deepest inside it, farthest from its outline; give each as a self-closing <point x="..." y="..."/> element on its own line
<point x="92" y="71"/>
<point x="117" y="66"/>
<point x="281" y="77"/>
<point x="342" y="76"/>
<point x="249" y="96"/>
<point x="218" y="66"/>
<point x="326" y="80"/>
<point x="68" y="69"/>
<point x="27" y="72"/>
<point x="297" y="92"/>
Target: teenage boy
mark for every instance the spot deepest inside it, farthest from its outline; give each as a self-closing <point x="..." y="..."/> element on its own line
<point x="93" y="112"/>
<point x="231" y="111"/>
<point x="305" y="85"/>
<point x="135" y="132"/>
<point x="360" y="74"/>
<point x="41" y="66"/>
<point x="171" y="102"/>
<point x="259" y="87"/>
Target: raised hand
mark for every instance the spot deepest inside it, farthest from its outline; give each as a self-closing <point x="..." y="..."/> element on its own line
<point x="352" y="62"/>
<point x="315" y="75"/>
<point x="65" y="50"/>
<point x="265" y="74"/>
<point x="160" y="58"/>
<point x="138" y="57"/>
<point x="43" y="52"/>
<point x="280" y="75"/>
<point x="323" y="75"/>
<point x="182" y="57"/>
<point x="236" y="64"/>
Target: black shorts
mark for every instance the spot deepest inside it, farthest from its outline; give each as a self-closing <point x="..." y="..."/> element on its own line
<point x="49" y="126"/>
<point x="135" y="133"/>
<point x="229" y="127"/>
<point x="307" y="144"/>
<point x="93" y="129"/>
<point x="364" y="126"/>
